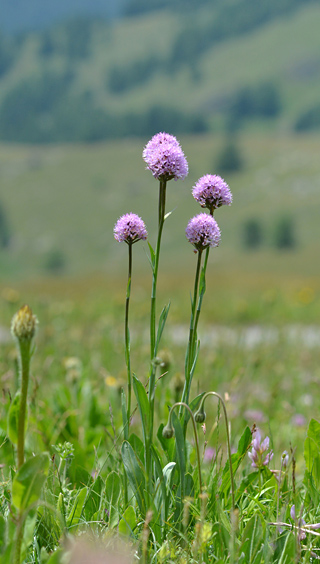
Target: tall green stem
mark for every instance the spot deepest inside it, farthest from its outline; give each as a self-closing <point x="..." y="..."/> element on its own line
<point x="24" y="360"/>
<point x="153" y="351"/>
<point x="161" y="215"/>
<point x="191" y="348"/>
<point x="24" y="349"/>
<point x="127" y="343"/>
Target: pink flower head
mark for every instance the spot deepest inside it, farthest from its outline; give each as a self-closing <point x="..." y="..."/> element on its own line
<point x="202" y="231"/>
<point x="211" y="191"/>
<point x="130" y="228"/>
<point x="259" y="454"/>
<point x="165" y="158"/>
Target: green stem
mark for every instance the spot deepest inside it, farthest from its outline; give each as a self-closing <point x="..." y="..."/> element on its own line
<point x="24" y="360"/>
<point x="161" y="214"/>
<point x="201" y="410"/>
<point x="191" y="348"/>
<point x="18" y="543"/>
<point x="153" y="352"/>
<point x="24" y="349"/>
<point x="127" y="343"/>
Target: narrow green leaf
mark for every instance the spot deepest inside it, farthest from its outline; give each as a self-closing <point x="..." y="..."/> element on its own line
<point x="152" y="256"/>
<point x="128" y="288"/>
<point x="112" y="496"/>
<point x="312" y="457"/>
<point x="128" y="522"/>
<point x="138" y="447"/>
<point x="77" y="509"/>
<point x="124" y="414"/>
<point x="202" y="284"/>
<point x="13" y="417"/>
<point x="135" y="475"/>
<point x="28" y="481"/>
<point x="161" y="325"/>
<point x="143" y="404"/>
<point x="94" y="498"/>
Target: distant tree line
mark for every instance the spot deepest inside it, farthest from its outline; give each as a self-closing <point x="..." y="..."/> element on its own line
<point x="45" y="109"/>
<point x="309" y="120"/>
<point x="224" y="20"/>
<point x="284" y="236"/>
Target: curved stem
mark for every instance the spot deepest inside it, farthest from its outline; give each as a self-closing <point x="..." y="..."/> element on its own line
<point x="228" y="438"/>
<point x="182" y="403"/>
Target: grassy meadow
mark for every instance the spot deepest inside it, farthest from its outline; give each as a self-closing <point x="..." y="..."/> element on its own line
<point x="259" y="333"/>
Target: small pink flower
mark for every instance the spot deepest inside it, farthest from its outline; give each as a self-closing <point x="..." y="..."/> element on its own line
<point x="259" y="454"/>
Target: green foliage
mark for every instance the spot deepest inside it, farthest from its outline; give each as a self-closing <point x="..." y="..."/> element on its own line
<point x="28" y="481"/>
<point x="284" y="236"/>
<point x="127" y="77"/>
<point x="55" y="262"/>
<point x="230" y="159"/>
<point x="252" y="235"/>
<point x="13" y="417"/>
<point x="262" y="100"/>
<point x="4" y="228"/>
<point x="309" y="120"/>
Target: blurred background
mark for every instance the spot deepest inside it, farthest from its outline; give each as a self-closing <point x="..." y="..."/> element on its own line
<point x="85" y="83"/>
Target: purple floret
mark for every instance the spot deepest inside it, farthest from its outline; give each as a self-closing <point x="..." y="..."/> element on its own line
<point x="211" y="191"/>
<point x="202" y="231"/>
<point x="259" y="454"/>
<point x="130" y="228"/>
<point x="165" y="158"/>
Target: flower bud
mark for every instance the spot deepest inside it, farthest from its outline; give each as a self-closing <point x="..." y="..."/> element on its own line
<point x="200" y="415"/>
<point x="167" y="431"/>
<point x="23" y="325"/>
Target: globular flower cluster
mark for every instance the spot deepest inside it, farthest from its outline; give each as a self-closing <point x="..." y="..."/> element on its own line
<point x="203" y="231"/>
<point x="130" y="228"/>
<point x="165" y="158"/>
<point x="211" y="191"/>
<point x="259" y="454"/>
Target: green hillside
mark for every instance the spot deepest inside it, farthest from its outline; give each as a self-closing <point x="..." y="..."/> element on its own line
<point x="87" y="80"/>
<point x="61" y="203"/>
